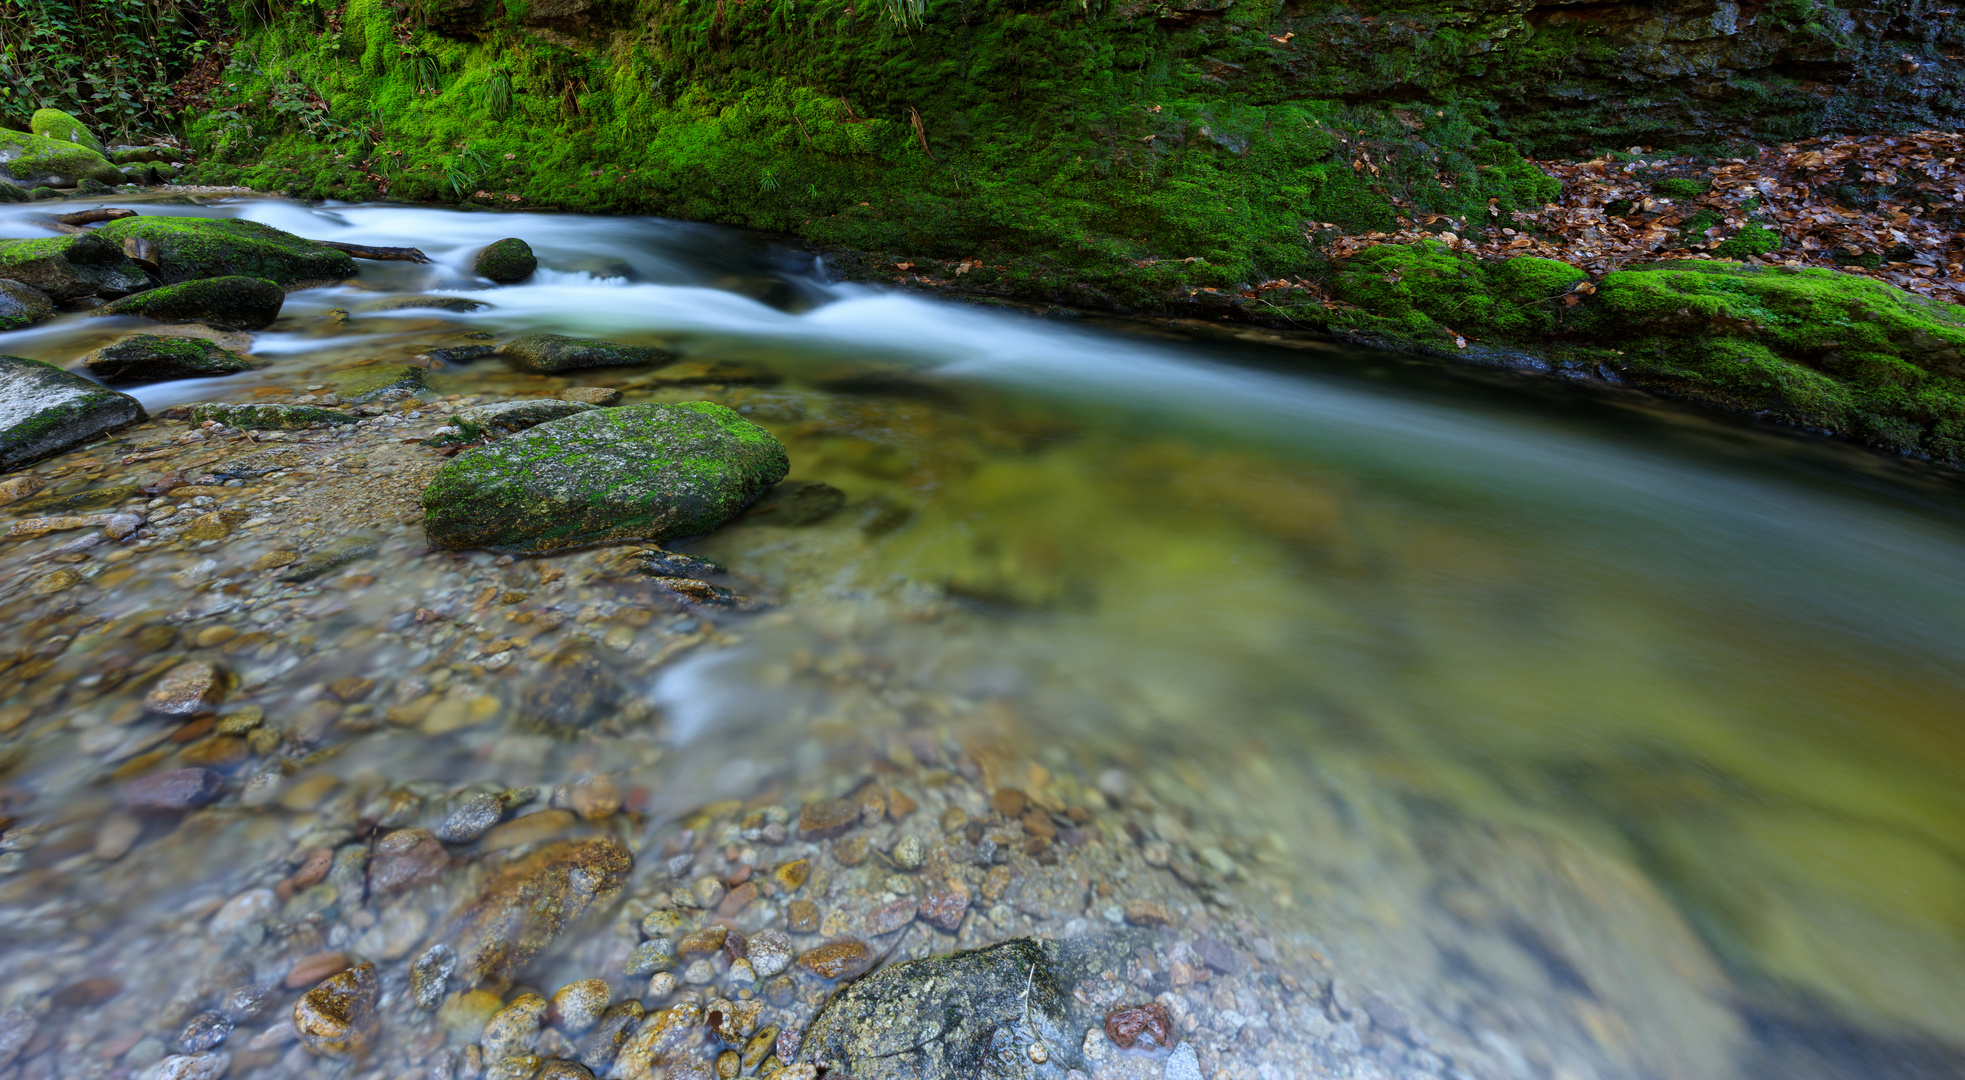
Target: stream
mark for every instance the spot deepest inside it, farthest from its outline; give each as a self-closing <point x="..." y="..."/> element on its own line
<point x="1501" y="730"/>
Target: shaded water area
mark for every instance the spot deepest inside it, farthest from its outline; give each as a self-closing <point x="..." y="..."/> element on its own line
<point x="1425" y="728"/>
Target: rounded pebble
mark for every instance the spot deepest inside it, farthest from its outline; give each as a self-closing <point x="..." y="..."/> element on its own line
<point x="578" y="1006"/>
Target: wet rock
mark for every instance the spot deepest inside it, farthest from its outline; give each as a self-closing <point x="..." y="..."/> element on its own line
<point x="796" y="502"/>
<point x="279" y="417"/>
<point x="578" y="1006"/>
<point x="909" y="853"/>
<point x="656" y="562"/>
<point x="190" y="248"/>
<point x="117" y="834"/>
<point x="1130" y="1026"/>
<point x="514" y="1029"/>
<point x="382" y="382"/>
<point x="407" y="858"/>
<point x="502" y="418"/>
<point x="529" y="829"/>
<point x="187" y="689"/>
<point x="694" y="372"/>
<point x="22" y="304"/>
<point x="564" y="1070"/>
<point x="474" y="817"/>
<point x="591" y="395"/>
<point x="599" y="1049"/>
<point x="191" y="1067"/>
<point x="145" y="358"/>
<point x="429" y="977"/>
<point x="705" y="942"/>
<point x="638" y="472"/>
<point x="769" y="952"/>
<point x="17" y="1028"/>
<point x="505" y="261"/>
<point x="572" y="692"/>
<point x="335" y="553"/>
<point x="70" y="267"/>
<point x="205" y="1031"/>
<point x="658" y="1037"/>
<point x="1220" y="955"/>
<point x="88" y="499"/>
<point x="529" y="903"/>
<point x="944" y="908"/>
<point x="652" y="956"/>
<point x="251" y="906"/>
<point x="244" y="1002"/>
<point x="461" y="305"/>
<point x="177" y="789"/>
<point x="888" y="918"/>
<point x="234" y="303"/>
<point x="827" y="818"/>
<point x="314" y="967"/>
<point x="553" y="352"/>
<point x="45" y="410"/>
<point x="457" y="354"/>
<point x="337" y="1017"/>
<point x="1183" y="1064"/>
<point x="838" y="960"/>
<point x="801" y="916"/>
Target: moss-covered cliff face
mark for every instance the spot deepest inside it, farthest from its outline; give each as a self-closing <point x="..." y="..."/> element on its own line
<point x="1111" y="153"/>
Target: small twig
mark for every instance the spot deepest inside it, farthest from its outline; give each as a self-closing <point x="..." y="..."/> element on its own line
<point x="380" y="254"/>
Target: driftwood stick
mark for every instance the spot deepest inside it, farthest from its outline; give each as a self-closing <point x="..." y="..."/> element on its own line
<point x="90" y="217"/>
<point x="384" y="254"/>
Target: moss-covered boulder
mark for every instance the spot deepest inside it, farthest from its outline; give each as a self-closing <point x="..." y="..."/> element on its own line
<point x="145" y="358"/>
<point x="71" y="267"/>
<point x="11" y="192"/>
<point x="58" y="125"/>
<point x="638" y="472"/>
<point x="257" y="417"/>
<point x="191" y="247"/>
<point x="506" y="261"/>
<point x="45" y="410"/>
<point x="553" y="352"/>
<point x="22" y="305"/>
<point x="238" y="303"/>
<point x="37" y="161"/>
<point x="1427" y="289"/>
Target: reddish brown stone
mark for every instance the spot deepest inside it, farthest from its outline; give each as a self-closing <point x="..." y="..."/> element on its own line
<point x="801" y="916"/>
<point x="314" y="967"/>
<point x="1150" y="1023"/>
<point x="407" y="858"/>
<point x="1037" y="822"/>
<point x="178" y="789"/>
<point x="945" y="908"/>
<point x="840" y="960"/>
<point x="313" y="870"/>
<point x="703" y="942"/>
<point x="890" y="917"/>
<point x="338" y="1016"/>
<point x="1008" y="802"/>
<point x="736" y="900"/>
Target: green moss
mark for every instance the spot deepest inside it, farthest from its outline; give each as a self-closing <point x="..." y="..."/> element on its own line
<point x="1681" y="187"/>
<point x="154" y="357"/>
<point x="36" y="161"/>
<point x="1426" y="290"/>
<point x="189" y="248"/>
<point x="265" y="416"/>
<point x="242" y="303"/>
<point x="506" y="261"/>
<point x="61" y="127"/>
<point x="1750" y="240"/>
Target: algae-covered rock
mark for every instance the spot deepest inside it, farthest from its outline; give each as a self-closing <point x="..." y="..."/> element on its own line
<point x="379" y="381"/>
<point x="974" y="1014"/>
<point x="1428" y="290"/>
<point x="280" y="416"/>
<point x="71" y="267"/>
<point x="38" y="161"/>
<point x="638" y="472"/>
<point x="11" y="192"/>
<point x="45" y="410"/>
<point x="553" y="352"/>
<point x="337" y="1018"/>
<point x="506" y="261"/>
<point x="460" y="304"/>
<point x="505" y="418"/>
<point x="142" y="358"/>
<point x="22" y="304"/>
<point x="529" y="903"/>
<point x="58" y="125"/>
<point x="238" y="303"/>
<point x="189" y="248"/>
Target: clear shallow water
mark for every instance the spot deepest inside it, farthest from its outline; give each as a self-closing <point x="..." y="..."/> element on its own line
<point x="1681" y="700"/>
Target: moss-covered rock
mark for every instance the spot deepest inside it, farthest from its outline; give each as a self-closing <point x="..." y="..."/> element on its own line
<point x="279" y="416"/>
<point x="189" y="248"/>
<point x="11" y="192"/>
<point x="45" y="410"/>
<point x="144" y="358"/>
<point x="502" y="418"/>
<point x="638" y="472"/>
<point x="506" y="261"/>
<point x="461" y="304"/>
<point x="553" y="352"/>
<point x="1428" y="291"/>
<point x="379" y="381"/>
<point x="238" y="303"/>
<point x="58" y="125"/>
<point x="71" y="267"/>
<point x="22" y="305"/>
<point x="38" y="161"/>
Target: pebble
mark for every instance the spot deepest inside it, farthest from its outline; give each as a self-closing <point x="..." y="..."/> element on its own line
<point x="246" y="1001"/>
<point x="656" y="954"/>
<point x="1126" y="1027"/>
<point x="791" y="875"/>
<point x="117" y="834"/>
<point x="769" y="952"/>
<point x="945" y="908"/>
<point x="827" y="818"/>
<point x="313" y="968"/>
<point x="177" y="789"/>
<point x="516" y="1067"/>
<point x="530" y="829"/>
<point x="396" y="931"/>
<point x="801" y="916"/>
<point x="598" y="1049"/>
<point x="251" y="906"/>
<point x="474" y="817"/>
<point x="336" y="1017"/>
<point x="661" y="922"/>
<point x="514" y="1029"/>
<point x="17" y="1028"/>
<point x="578" y="1006"/>
<point x="191" y="1067"/>
<point x="1182" y="1064"/>
<point x="592" y="395"/>
<point x="707" y="891"/>
<point x="564" y="1070"/>
<point x="1008" y="802"/>
<point x="704" y="942"/>
<point x="407" y="858"/>
<point x="910" y="853"/>
<point x="851" y="851"/>
<point x="700" y="973"/>
<point x="205" y="1031"/>
<point x="839" y="960"/>
<point x="662" y="984"/>
<point x="238" y="723"/>
<point x="890" y="917"/>
<point x="1147" y="913"/>
<point x="429" y="979"/>
<point x="191" y="687"/>
<point x="741" y="973"/>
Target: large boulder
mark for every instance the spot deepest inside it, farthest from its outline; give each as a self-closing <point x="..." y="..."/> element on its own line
<point x="45" y="410"/>
<point x="61" y="127"/>
<point x="554" y="352"/>
<point x="637" y="472"/>
<point x="71" y="267"/>
<point x="22" y="305"/>
<point x="191" y="247"/>
<point x="37" y="161"/>
<point x="506" y="261"/>
<point x="145" y="358"/>
<point x="238" y="303"/>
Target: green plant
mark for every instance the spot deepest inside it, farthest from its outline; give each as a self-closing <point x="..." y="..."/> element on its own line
<point x="907" y="13"/>
<point x="111" y="63"/>
<point x="495" y="94"/>
<point x="462" y="169"/>
<point x="425" y="76"/>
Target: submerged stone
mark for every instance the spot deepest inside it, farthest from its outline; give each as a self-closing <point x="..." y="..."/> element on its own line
<point x="527" y="906"/>
<point x="237" y="303"/>
<point x="71" y="267"/>
<point x="378" y="382"/>
<point x="638" y="472"/>
<point x="337" y="1017"/>
<point x="142" y="358"/>
<point x="191" y="248"/>
<point x="506" y="261"/>
<point x="796" y="502"/>
<point x="336" y="552"/>
<point x="554" y="352"/>
<point x="45" y="410"/>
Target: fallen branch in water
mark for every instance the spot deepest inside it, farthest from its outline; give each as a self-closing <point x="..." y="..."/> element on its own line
<point x="380" y="254"/>
<point x="90" y="217"/>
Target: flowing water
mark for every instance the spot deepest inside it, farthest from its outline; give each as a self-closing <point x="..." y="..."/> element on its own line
<point x="1604" y="739"/>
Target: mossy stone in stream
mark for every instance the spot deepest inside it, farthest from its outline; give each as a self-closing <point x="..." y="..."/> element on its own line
<point x="637" y="472"/>
<point x="379" y="381"/>
<point x="189" y="248"/>
<point x="504" y="418"/>
<point x="264" y="416"/>
<point x="238" y="303"/>
<point x="142" y="358"/>
<point x="526" y="906"/>
<point x="1427" y="290"/>
<point x="71" y="267"/>
<point x="22" y="305"/>
<point x="45" y="410"/>
<point x="61" y="127"/>
<point x="506" y="261"/>
<point x="38" y="161"/>
<point x="553" y="352"/>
